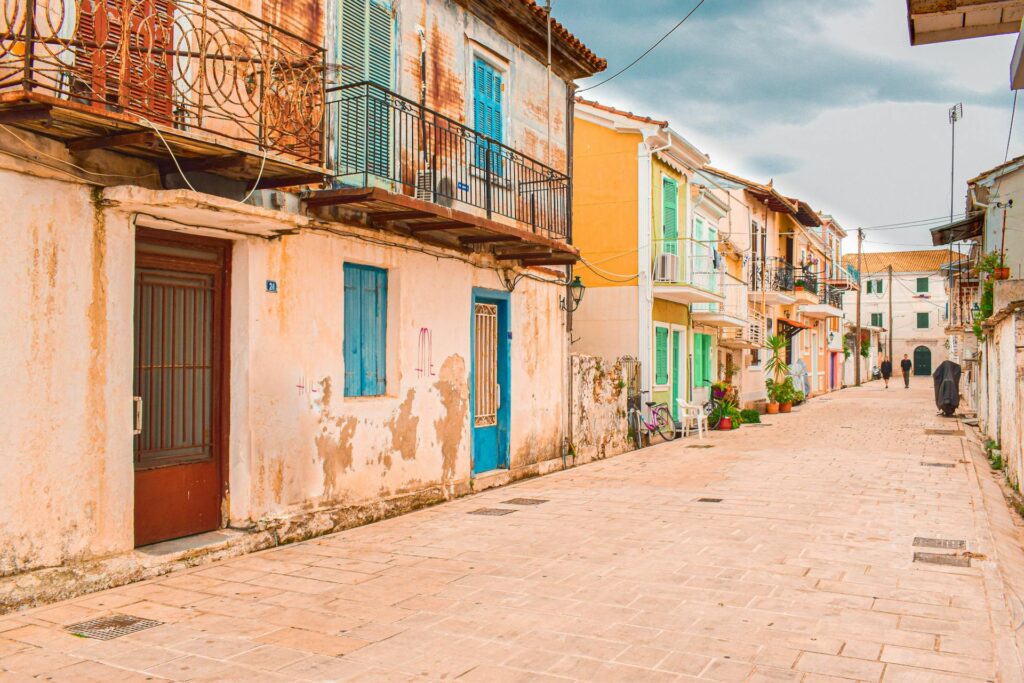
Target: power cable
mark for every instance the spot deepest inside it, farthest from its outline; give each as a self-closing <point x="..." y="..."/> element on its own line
<point x="1009" y="136"/>
<point x="647" y="52"/>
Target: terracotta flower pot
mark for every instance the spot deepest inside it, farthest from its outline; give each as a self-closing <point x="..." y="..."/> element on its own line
<point x="785" y="407"/>
<point x="1001" y="273"/>
<point x="773" y="408"/>
<point x="725" y="424"/>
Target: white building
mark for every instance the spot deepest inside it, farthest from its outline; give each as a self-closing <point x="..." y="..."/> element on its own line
<point x="916" y="288"/>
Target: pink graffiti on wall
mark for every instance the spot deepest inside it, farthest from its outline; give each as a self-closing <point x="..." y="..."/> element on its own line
<point x="425" y="353"/>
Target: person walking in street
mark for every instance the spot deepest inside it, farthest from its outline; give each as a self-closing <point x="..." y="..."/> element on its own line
<point x="906" y="365"/>
<point x="886" y="370"/>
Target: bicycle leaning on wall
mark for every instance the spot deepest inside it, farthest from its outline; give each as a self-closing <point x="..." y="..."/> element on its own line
<point x="658" y="421"/>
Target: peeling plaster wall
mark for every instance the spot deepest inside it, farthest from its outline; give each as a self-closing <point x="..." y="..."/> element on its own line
<point x="66" y="472"/>
<point x="299" y="443"/>
<point x="455" y="37"/>
<point x="598" y="408"/>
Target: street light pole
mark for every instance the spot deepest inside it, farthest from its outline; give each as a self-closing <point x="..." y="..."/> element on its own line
<point x="956" y="112"/>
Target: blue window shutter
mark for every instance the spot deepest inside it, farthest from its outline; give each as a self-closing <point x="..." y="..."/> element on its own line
<point x="365" y="330"/>
<point x="487" y="113"/>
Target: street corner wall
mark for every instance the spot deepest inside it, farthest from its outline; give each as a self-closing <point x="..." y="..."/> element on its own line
<point x="66" y="470"/>
<point x="1007" y="338"/>
<point x="598" y="406"/>
<point x="299" y="444"/>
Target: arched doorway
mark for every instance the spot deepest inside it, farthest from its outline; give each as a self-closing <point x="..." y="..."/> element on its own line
<point x="922" y="360"/>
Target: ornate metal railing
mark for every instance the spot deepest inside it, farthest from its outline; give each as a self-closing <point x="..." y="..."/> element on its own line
<point x="377" y="138"/>
<point x="188" y="64"/>
<point x="833" y="296"/>
<point x="807" y="278"/>
<point x="773" y="274"/>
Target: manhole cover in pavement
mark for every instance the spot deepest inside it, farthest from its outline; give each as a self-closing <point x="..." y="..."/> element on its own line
<point x="114" y="626"/>
<point x="701" y="445"/>
<point x="948" y="560"/>
<point x="492" y="512"/>
<point x="944" y="432"/>
<point x="525" y="501"/>
<point x="709" y="500"/>
<point x="944" y="543"/>
<point x="938" y="464"/>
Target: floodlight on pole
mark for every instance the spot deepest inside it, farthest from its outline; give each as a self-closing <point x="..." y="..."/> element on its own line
<point x="956" y="112"/>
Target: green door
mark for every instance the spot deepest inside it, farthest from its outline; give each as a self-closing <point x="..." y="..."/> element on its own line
<point x="675" y="373"/>
<point x="922" y="360"/>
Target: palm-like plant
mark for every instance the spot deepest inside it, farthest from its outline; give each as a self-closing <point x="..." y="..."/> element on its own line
<point x="776" y="365"/>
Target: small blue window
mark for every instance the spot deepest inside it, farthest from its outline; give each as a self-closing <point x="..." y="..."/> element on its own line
<point x="366" y="313"/>
<point x="487" y="116"/>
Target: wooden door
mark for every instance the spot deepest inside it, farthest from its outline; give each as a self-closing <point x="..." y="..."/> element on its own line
<point x="180" y="384"/>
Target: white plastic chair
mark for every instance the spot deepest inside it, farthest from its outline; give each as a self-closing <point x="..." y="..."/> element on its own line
<point x="691" y="416"/>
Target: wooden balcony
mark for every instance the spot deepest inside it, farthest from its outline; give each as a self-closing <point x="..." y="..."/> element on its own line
<point x="407" y="169"/>
<point x="200" y="86"/>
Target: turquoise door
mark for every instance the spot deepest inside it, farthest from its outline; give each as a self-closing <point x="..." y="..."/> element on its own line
<point x="490" y="388"/>
<point x="676" y="343"/>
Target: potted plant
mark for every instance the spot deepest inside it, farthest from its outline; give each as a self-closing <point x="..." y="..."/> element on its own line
<point x="992" y="263"/>
<point x="784" y="394"/>
<point x="775" y="366"/>
<point x="720" y="389"/>
<point x="798" y="398"/>
<point x="798" y="286"/>
<point x="727" y="411"/>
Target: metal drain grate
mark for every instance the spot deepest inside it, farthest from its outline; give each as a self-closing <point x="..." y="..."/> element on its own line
<point x="114" y="626"/>
<point x="948" y="560"/>
<point x="492" y="512"/>
<point x="943" y="543"/>
<point x="525" y="501"/>
<point x="709" y="500"/>
<point x="944" y="432"/>
<point x="938" y="464"/>
<point x="701" y="445"/>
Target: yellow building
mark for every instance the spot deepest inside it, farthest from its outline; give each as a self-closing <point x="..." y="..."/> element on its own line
<point x="643" y="266"/>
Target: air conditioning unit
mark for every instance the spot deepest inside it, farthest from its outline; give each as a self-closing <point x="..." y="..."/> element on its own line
<point x="440" y="193"/>
<point x="666" y="268"/>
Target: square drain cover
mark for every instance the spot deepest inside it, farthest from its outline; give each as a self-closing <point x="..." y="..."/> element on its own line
<point x="525" y="501"/>
<point x="944" y="432"/>
<point x="709" y="500"/>
<point x="943" y="543"/>
<point x="948" y="560"/>
<point x="492" y="512"/>
<point x="938" y="464"/>
<point x="114" y="626"/>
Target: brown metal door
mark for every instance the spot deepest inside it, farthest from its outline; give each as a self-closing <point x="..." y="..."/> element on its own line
<point x="180" y="384"/>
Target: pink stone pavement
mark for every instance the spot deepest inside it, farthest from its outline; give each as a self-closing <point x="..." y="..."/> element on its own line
<point x="803" y="572"/>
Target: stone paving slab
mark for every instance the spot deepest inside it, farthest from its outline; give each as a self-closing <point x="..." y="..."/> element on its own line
<point x="803" y="571"/>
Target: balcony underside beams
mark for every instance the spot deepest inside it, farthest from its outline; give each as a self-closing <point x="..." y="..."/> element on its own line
<point x="718" y="319"/>
<point x="687" y="294"/>
<point x="84" y="128"/>
<point x="441" y="225"/>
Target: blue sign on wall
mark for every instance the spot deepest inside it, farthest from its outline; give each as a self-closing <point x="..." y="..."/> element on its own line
<point x="271" y="286"/>
<point x="463" y="187"/>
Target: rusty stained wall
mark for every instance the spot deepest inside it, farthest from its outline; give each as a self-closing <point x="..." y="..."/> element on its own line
<point x="598" y="401"/>
<point x="454" y="37"/>
<point x="299" y="443"/>
<point x="65" y="374"/>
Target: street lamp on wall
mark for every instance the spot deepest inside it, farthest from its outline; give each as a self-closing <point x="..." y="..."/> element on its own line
<point x="576" y="291"/>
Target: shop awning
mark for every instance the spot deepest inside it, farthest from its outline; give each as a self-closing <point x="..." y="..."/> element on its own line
<point x="965" y="229"/>
<point x="790" y="328"/>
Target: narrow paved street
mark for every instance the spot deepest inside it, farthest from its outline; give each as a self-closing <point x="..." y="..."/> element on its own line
<point x="775" y="553"/>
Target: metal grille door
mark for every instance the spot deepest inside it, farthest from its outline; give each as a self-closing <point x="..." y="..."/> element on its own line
<point x="486" y="390"/>
<point x="174" y="371"/>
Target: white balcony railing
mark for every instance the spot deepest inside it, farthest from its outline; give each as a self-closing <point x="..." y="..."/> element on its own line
<point x="687" y="261"/>
<point x="735" y="305"/>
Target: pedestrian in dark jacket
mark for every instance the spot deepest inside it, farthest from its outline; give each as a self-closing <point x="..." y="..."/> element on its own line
<point x="906" y="365"/>
<point x="886" y="371"/>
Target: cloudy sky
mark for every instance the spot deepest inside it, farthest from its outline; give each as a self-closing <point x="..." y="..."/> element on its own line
<point x="826" y="97"/>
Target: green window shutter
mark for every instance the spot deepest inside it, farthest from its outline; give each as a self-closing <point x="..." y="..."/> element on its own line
<point x="922" y="284"/>
<point x="365" y="343"/>
<point x="670" y="215"/>
<point x="661" y="355"/>
<point x="922" y="321"/>
<point x="870" y="283"/>
<point x="707" y="357"/>
<point x="876" y="319"/>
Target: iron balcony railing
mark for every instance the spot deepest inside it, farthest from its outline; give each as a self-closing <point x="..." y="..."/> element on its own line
<point x="833" y="296"/>
<point x="377" y="138"/>
<point x="772" y="274"/>
<point x="188" y="64"/>
<point x="807" y="278"/>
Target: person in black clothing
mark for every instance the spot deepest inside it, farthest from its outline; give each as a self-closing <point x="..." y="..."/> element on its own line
<point x="906" y="365"/>
<point x="886" y="371"/>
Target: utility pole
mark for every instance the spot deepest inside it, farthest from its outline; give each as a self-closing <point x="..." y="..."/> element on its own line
<point x="891" y="328"/>
<point x="860" y="286"/>
<point x="956" y="112"/>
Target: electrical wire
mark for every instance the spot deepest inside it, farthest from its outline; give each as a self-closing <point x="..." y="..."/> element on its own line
<point x="40" y="152"/>
<point x="647" y="52"/>
<point x="1009" y="136"/>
